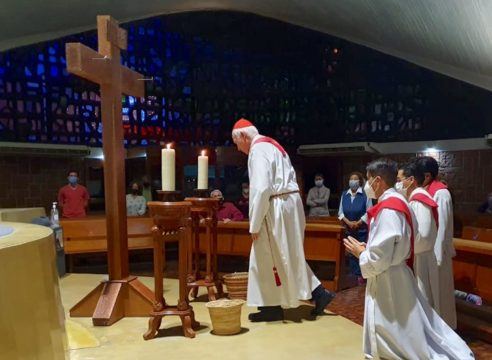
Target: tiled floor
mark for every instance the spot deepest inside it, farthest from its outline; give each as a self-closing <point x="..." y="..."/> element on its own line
<point x="350" y="304"/>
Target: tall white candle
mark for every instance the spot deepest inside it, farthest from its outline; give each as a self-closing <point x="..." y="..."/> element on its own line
<point x="202" y="171"/>
<point x="168" y="169"/>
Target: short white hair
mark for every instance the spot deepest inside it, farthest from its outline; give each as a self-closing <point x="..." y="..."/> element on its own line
<point x="216" y="191"/>
<point x="249" y="131"/>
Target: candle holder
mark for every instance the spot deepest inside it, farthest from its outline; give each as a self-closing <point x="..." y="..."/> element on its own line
<point x="169" y="196"/>
<point x="201" y="193"/>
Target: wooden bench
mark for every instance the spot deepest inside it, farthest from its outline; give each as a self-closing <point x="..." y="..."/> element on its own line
<point x="477" y="233"/>
<point x="472" y="269"/>
<point x="322" y="242"/>
<point x="88" y="235"/>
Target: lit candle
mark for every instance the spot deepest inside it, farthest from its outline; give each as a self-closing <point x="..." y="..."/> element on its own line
<point x="167" y="169"/>
<point x="202" y="171"/>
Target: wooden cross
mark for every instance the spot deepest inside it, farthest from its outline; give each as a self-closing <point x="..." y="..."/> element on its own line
<point x="121" y="295"/>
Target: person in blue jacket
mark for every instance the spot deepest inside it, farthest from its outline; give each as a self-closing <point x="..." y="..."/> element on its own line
<point x="353" y="213"/>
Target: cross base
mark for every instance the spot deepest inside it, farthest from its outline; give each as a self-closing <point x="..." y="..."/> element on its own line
<point x="114" y="299"/>
<point x="210" y="284"/>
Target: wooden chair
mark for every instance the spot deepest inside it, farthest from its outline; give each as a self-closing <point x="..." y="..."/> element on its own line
<point x="477" y="233"/>
<point x="206" y="209"/>
<point x="171" y="218"/>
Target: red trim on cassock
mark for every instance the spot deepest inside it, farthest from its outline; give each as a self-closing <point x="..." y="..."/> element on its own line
<point x="435" y="186"/>
<point x="396" y="204"/>
<point x="271" y="141"/>
<point x="421" y="198"/>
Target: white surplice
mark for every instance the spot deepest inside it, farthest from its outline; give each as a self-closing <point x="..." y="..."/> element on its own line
<point x="444" y="250"/>
<point x="280" y="222"/>
<point x="398" y="321"/>
<point x="425" y="263"/>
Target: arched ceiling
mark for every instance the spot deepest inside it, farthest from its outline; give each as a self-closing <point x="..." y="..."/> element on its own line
<point x="453" y="37"/>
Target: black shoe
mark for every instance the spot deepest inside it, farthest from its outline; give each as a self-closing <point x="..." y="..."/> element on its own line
<point x="267" y="313"/>
<point x="322" y="298"/>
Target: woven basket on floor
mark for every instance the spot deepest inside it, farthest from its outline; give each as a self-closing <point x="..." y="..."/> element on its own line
<point x="225" y="315"/>
<point x="237" y="285"/>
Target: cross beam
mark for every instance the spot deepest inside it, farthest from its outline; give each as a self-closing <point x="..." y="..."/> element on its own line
<point x="121" y="295"/>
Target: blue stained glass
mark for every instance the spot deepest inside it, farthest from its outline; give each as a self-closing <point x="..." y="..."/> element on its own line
<point x="27" y="71"/>
<point x="144" y="142"/>
<point x="32" y="137"/>
<point x="154" y="117"/>
<point x="100" y="128"/>
<point x="141" y="30"/>
<point x="2" y="70"/>
<point x="40" y="69"/>
<point x="33" y="85"/>
<point x="187" y="90"/>
<point x="52" y="59"/>
<point x="131" y="100"/>
<point x="40" y="57"/>
<point x="89" y="107"/>
<point x="54" y="71"/>
<point x="130" y="47"/>
<point x="51" y="50"/>
<point x="63" y="60"/>
<point x="142" y="115"/>
<point x="125" y="110"/>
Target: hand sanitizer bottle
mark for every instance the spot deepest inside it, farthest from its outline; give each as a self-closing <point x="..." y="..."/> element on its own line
<point x="54" y="218"/>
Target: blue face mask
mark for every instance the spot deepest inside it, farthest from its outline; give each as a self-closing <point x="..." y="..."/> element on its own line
<point x="354" y="184"/>
<point x="73" y="179"/>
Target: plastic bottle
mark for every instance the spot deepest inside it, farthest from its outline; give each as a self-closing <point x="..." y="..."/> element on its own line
<point x="474" y="299"/>
<point x="54" y="218"/>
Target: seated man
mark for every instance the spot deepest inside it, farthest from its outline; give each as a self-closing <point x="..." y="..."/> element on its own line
<point x="227" y="210"/>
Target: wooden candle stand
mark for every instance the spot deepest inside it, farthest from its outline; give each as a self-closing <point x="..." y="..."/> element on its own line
<point x="171" y="218"/>
<point x="169" y="196"/>
<point x="201" y="193"/>
<point x="204" y="209"/>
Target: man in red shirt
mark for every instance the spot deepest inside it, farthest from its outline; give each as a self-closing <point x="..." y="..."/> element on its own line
<point x="73" y="198"/>
<point x="227" y="210"/>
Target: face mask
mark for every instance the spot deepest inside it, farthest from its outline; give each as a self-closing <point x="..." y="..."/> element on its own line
<point x="72" y="180"/>
<point x="353" y="184"/>
<point x="221" y="201"/>
<point x="402" y="190"/>
<point x="135" y="191"/>
<point x="318" y="183"/>
<point x="370" y="193"/>
<point x="245" y="191"/>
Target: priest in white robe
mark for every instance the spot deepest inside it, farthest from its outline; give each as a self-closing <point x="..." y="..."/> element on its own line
<point x="278" y="273"/>
<point x="425" y="210"/>
<point x="398" y="321"/>
<point x="444" y="247"/>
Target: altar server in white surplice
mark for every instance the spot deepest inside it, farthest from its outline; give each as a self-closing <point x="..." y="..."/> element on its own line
<point x="398" y="321"/>
<point x="444" y="247"/>
<point x="278" y="273"/>
<point x="425" y="210"/>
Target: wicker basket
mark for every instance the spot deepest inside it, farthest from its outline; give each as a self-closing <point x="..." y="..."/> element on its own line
<point x="237" y="285"/>
<point x="226" y="316"/>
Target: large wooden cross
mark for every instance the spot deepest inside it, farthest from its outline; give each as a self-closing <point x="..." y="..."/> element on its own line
<point x="121" y="295"/>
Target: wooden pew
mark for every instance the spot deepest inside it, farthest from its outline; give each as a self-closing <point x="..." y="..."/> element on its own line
<point x="477" y="233"/>
<point x="322" y="242"/>
<point x="472" y="267"/>
<point x="88" y="235"/>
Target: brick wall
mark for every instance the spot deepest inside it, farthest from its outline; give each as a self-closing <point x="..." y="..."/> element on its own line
<point x="27" y="181"/>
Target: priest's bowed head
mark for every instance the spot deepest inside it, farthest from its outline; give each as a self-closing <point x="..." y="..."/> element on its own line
<point x="243" y="133"/>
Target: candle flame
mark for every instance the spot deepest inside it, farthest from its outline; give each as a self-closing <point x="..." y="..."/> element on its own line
<point x="168" y="146"/>
<point x="203" y="152"/>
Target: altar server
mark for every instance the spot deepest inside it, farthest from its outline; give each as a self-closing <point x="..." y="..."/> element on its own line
<point x="444" y="248"/>
<point x="398" y="321"/>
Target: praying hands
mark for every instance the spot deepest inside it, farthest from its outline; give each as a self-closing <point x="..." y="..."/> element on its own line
<point x="353" y="246"/>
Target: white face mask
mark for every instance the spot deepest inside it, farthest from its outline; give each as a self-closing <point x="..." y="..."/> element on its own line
<point x="245" y="191"/>
<point x="370" y="193"/>
<point x="318" y="183"/>
<point x="402" y="190"/>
